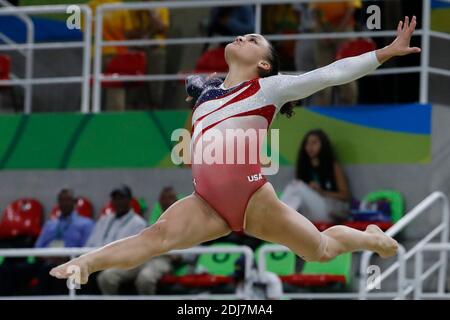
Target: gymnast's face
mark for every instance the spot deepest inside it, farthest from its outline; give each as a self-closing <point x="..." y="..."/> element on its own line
<point x="249" y="50"/>
<point x="313" y="146"/>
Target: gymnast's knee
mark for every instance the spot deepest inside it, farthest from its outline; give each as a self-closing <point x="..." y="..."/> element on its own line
<point x="322" y="253"/>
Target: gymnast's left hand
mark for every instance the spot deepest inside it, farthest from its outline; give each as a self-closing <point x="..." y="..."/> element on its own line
<point x="405" y="29"/>
<point x="400" y="46"/>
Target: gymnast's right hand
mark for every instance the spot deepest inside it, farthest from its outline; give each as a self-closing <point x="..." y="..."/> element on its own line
<point x="77" y="269"/>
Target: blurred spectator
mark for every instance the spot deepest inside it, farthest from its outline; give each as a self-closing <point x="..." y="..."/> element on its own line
<point x="167" y="197"/>
<point x="146" y="276"/>
<point x="319" y="191"/>
<point x="111" y="227"/>
<point x="154" y="269"/>
<point x="304" y="49"/>
<point x="125" y="223"/>
<point x="282" y="19"/>
<point x="230" y="21"/>
<point x="334" y="17"/>
<point x="68" y="230"/>
<point x="150" y="24"/>
<point x="117" y="24"/>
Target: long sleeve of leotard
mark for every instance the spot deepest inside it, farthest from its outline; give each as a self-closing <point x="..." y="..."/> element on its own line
<point x="280" y="89"/>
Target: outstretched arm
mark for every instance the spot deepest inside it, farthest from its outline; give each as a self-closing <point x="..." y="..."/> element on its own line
<point x="284" y="88"/>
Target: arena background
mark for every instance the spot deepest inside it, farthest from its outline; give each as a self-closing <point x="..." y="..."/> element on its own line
<point x="390" y="140"/>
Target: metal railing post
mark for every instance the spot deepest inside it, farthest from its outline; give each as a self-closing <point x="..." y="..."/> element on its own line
<point x="425" y="56"/>
<point x="258" y="17"/>
<point x="418" y="270"/>
<point x="401" y="272"/>
<point x="28" y="57"/>
<point x="85" y="89"/>
<point x="444" y="239"/>
<point x="29" y="62"/>
<point x="98" y="59"/>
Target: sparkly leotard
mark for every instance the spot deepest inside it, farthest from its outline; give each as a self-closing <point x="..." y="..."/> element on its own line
<point x="227" y="187"/>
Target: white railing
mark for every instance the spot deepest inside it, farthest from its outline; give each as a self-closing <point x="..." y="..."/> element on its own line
<point x="326" y="295"/>
<point x="28" y="81"/>
<point x="406" y="286"/>
<point x="74" y="252"/>
<point x="28" y="54"/>
<point x="424" y="69"/>
<point x="420" y="276"/>
<point x="425" y="32"/>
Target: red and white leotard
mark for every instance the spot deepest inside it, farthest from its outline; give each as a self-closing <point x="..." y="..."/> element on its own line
<point x="252" y="104"/>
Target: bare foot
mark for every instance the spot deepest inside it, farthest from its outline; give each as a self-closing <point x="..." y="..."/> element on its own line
<point x="76" y="269"/>
<point x="385" y="246"/>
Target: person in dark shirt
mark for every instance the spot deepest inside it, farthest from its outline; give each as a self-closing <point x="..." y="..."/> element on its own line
<point x="319" y="190"/>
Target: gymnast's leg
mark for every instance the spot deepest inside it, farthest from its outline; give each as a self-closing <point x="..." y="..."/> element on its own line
<point x="188" y="222"/>
<point x="271" y="220"/>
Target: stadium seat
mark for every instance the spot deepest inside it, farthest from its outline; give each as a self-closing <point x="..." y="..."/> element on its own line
<point x="216" y="269"/>
<point x="5" y="68"/>
<point x="83" y="207"/>
<point x="218" y="263"/>
<point x="22" y="217"/>
<point x="135" y="205"/>
<point x="280" y="263"/>
<point x="355" y="47"/>
<point x="20" y="224"/>
<point x="336" y="270"/>
<point x="5" y="74"/>
<point x="395" y="199"/>
<point x="314" y="274"/>
<point x="129" y="63"/>
<point x="212" y="60"/>
<point x="397" y="206"/>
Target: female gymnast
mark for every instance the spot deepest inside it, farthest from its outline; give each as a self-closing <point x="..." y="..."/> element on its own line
<point x="225" y="198"/>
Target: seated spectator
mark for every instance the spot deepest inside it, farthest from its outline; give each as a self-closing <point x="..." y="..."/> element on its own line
<point x="123" y="224"/>
<point x="319" y="190"/>
<point x="117" y="24"/>
<point x="69" y="230"/>
<point x="111" y="227"/>
<point x="334" y="17"/>
<point x="281" y="19"/>
<point x="150" y="24"/>
<point x="230" y="21"/>
<point x="155" y="268"/>
<point x="166" y="198"/>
